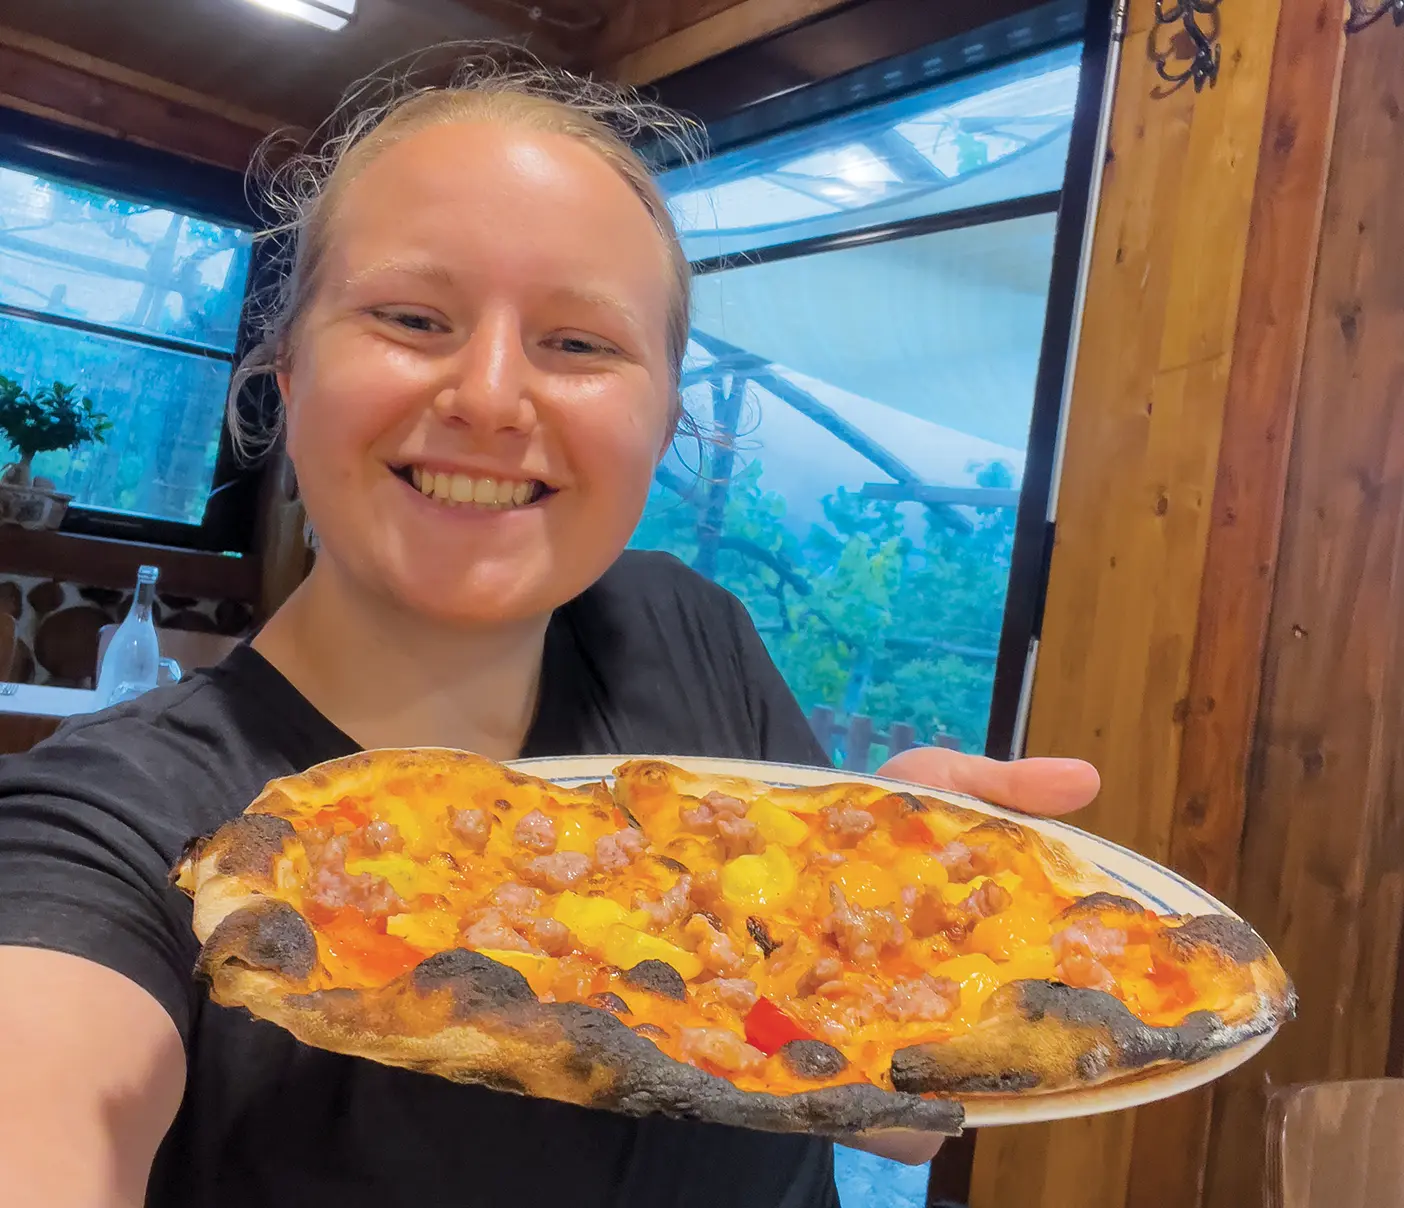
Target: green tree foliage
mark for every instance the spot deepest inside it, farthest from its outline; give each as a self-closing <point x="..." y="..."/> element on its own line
<point x="857" y="615"/>
<point x="47" y="419"/>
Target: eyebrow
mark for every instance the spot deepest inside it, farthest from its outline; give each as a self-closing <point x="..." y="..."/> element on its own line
<point x="425" y="270"/>
<point x="599" y="300"/>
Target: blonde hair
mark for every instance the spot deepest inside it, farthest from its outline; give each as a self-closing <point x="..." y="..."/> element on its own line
<point x="377" y="113"/>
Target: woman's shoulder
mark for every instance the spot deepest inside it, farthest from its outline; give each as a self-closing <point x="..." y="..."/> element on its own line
<point x="177" y="758"/>
<point x="647" y="580"/>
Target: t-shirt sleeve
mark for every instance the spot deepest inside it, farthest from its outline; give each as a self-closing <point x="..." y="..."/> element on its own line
<point x="784" y="731"/>
<point x="85" y="848"/>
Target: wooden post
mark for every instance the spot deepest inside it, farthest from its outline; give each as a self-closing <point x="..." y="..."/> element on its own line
<point x="1143" y="446"/>
<point x="900" y="737"/>
<point x="856" y="745"/>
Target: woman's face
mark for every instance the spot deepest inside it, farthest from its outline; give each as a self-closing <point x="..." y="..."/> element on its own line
<point x="479" y="392"/>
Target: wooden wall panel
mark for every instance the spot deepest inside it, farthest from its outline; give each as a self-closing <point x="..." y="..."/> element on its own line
<point x="1154" y="379"/>
<point x="1322" y="871"/>
<point x="1171" y="1141"/>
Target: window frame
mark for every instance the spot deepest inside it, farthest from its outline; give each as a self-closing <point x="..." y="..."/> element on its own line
<point x="881" y="49"/>
<point x="136" y="172"/>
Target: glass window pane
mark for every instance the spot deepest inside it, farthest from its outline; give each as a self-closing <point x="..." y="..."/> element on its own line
<point x="992" y="136"/>
<point x="66" y="250"/>
<point x="166" y="410"/>
<point x="880" y="399"/>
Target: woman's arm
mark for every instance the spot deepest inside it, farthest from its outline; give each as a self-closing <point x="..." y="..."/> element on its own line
<point x="93" y="1074"/>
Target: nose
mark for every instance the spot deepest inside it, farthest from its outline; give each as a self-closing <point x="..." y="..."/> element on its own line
<point x="487" y="388"/>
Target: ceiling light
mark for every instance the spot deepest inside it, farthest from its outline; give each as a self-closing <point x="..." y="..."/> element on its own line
<point x="329" y="14"/>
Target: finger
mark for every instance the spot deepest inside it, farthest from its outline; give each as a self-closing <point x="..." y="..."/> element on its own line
<point x="1032" y="786"/>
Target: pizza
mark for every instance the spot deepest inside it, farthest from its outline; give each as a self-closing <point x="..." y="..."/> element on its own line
<point x="826" y="960"/>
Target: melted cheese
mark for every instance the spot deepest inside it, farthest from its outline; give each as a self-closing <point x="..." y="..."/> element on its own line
<point x="780" y="888"/>
<point x="408" y="877"/>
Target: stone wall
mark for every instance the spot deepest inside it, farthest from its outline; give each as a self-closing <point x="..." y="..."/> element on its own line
<point x="57" y="624"/>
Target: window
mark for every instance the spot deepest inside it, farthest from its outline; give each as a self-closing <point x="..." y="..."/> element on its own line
<point x="869" y="318"/>
<point x="134" y="296"/>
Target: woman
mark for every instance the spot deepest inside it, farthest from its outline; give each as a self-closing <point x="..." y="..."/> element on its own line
<point x="478" y="349"/>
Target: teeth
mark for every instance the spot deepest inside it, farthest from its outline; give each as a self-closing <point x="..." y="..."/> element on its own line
<point x="456" y="489"/>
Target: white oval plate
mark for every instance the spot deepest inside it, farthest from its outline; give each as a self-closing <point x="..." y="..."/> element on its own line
<point x="1141" y="878"/>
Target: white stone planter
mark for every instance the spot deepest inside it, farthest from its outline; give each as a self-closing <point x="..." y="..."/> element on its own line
<point x="31" y="507"/>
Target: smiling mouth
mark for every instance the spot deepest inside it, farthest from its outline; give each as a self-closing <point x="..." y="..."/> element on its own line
<point x="460" y="490"/>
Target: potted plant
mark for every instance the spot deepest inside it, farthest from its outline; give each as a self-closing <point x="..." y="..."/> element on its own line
<point x="44" y="420"/>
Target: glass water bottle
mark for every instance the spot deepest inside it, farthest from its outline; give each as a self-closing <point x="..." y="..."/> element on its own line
<point x="132" y="664"/>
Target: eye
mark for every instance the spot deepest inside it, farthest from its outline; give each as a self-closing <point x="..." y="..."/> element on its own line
<point x="410" y="320"/>
<point x="582" y="346"/>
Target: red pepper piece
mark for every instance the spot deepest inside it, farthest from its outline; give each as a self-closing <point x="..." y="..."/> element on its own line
<point x="769" y="1029"/>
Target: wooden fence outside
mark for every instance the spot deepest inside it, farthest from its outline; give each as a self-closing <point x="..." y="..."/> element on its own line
<point x="858" y="738"/>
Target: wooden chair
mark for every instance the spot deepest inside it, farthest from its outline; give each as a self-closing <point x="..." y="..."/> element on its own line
<point x="1336" y="1145"/>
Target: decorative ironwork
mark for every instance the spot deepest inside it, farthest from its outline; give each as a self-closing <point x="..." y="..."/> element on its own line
<point x="1195" y="44"/>
<point x="1364" y="13"/>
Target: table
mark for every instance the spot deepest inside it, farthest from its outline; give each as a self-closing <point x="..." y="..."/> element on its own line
<point x="29" y="713"/>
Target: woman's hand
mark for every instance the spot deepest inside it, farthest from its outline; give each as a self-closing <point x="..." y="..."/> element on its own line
<point x="1032" y="786"/>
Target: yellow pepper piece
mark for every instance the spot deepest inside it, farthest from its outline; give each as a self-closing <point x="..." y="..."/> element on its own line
<point x="625" y="947"/>
<point x="756" y="882"/>
<point x="777" y="825"/>
<point x="589" y="918"/>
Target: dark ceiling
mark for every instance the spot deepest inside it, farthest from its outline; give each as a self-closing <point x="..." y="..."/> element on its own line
<point x="260" y="60"/>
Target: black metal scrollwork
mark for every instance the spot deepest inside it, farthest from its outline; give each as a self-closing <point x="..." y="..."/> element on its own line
<point x="1198" y="43"/>
<point x="1364" y="14"/>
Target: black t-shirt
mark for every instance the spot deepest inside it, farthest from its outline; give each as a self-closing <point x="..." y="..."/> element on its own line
<point x="652" y="659"/>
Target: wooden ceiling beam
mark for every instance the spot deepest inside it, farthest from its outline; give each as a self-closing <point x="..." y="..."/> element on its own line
<point x="632" y="53"/>
<point x="50" y="80"/>
<point x="560" y="33"/>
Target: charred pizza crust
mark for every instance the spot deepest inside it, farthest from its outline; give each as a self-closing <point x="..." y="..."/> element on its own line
<point x="465" y="1016"/>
